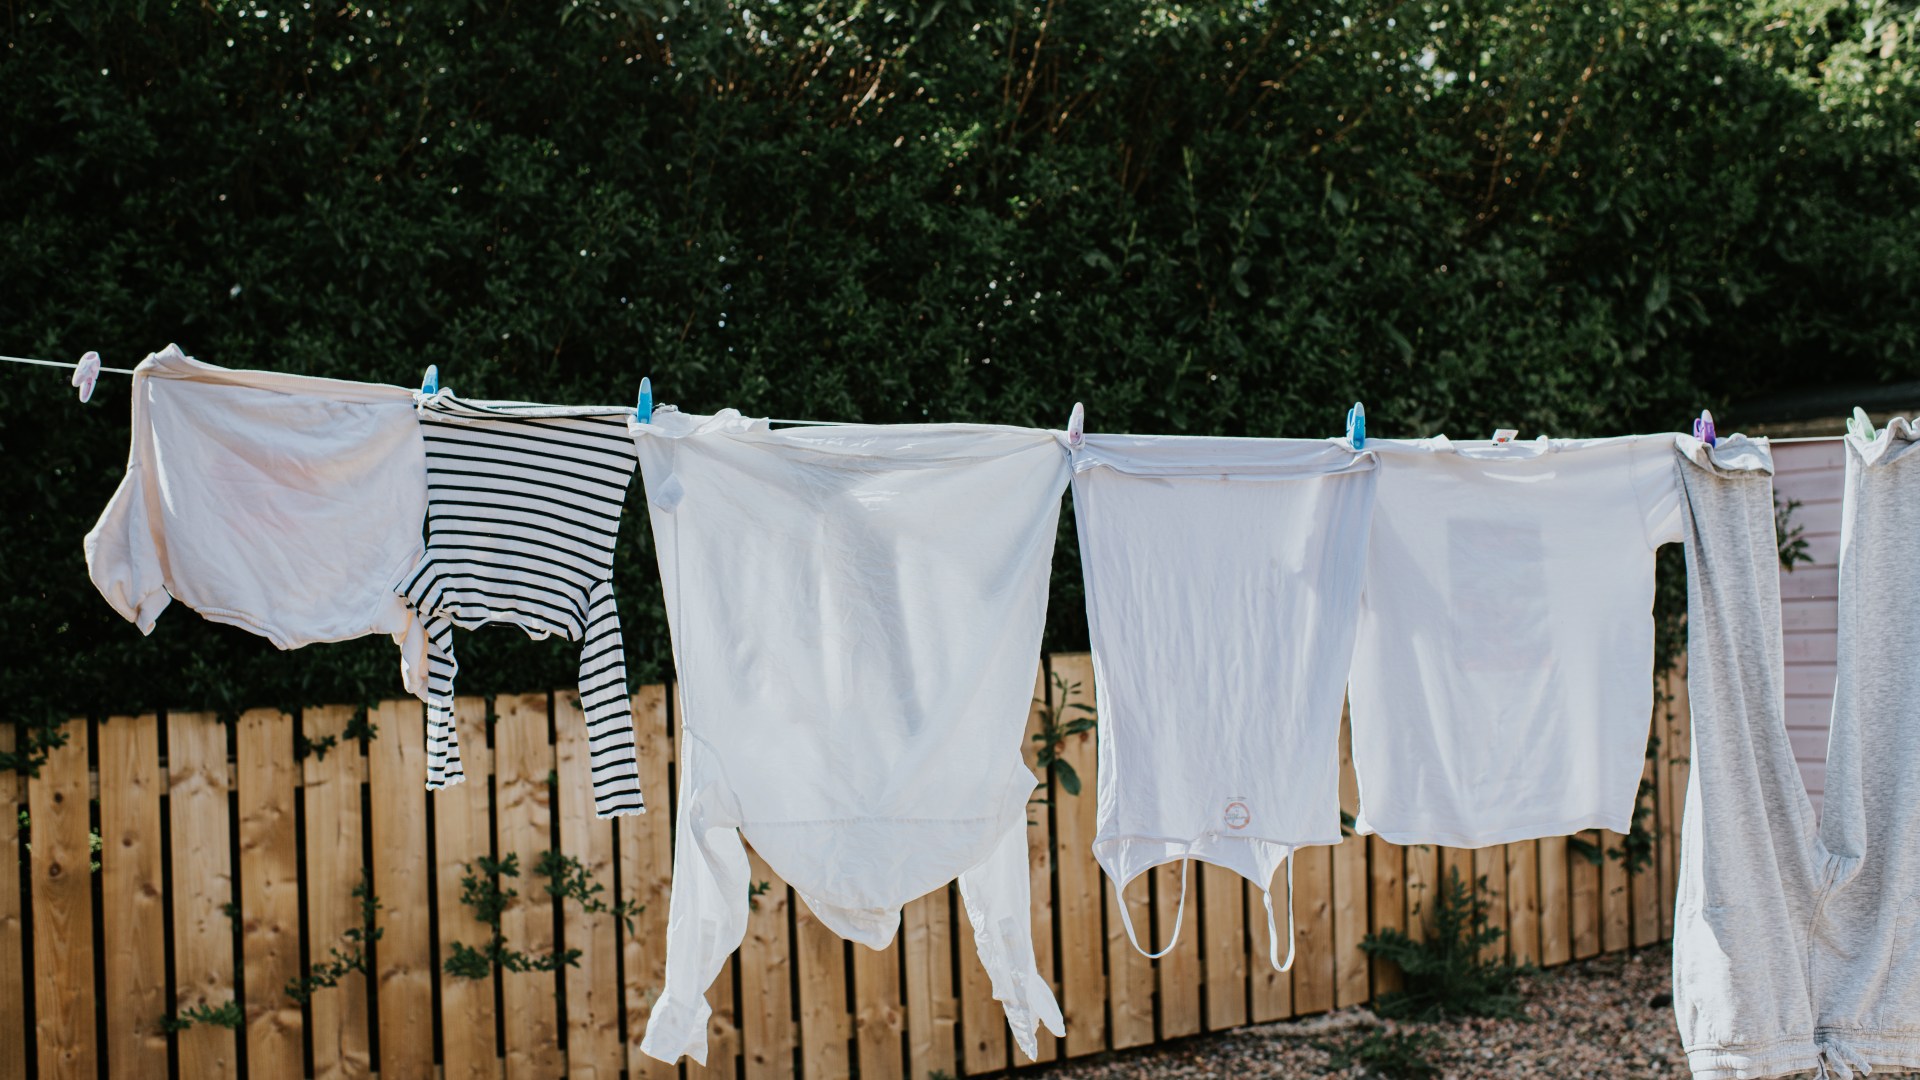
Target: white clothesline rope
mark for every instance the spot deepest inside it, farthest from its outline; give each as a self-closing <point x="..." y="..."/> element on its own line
<point x="58" y="364"/>
<point x="803" y="423"/>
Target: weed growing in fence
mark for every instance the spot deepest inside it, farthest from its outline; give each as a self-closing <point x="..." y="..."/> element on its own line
<point x="227" y="1016"/>
<point x="93" y="840"/>
<point x="1056" y="729"/>
<point x="1445" y="975"/>
<point x="754" y="892"/>
<point x="481" y="890"/>
<point x="353" y="957"/>
<point x="1398" y="1055"/>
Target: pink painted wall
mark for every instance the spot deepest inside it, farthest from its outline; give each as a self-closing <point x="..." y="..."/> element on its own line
<point x="1814" y="473"/>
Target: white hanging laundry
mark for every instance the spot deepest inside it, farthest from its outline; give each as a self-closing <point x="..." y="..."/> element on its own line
<point x="856" y="615"/>
<point x="1502" y="684"/>
<point x="286" y="505"/>
<point x="523" y="509"/>
<point x="1222" y="577"/>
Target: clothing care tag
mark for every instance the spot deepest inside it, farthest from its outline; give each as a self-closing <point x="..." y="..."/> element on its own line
<point x="1505" y="434"/>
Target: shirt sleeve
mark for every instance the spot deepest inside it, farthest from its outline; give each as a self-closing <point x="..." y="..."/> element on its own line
<point x="1656" y="489"/>
<point x="123" y="554"/>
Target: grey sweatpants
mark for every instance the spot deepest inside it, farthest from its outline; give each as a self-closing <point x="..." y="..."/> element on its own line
<point x="1797" y="948"/>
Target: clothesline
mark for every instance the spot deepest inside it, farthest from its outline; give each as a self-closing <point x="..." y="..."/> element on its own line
<point x="800" y="423"/>
<point x="59" y="364"/>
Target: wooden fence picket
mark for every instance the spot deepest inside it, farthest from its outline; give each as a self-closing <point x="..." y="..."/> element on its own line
<point x="463" y="834"/>
<point x="266" y="786"/>
<point x="336" y="863"/>
<point x="133" y="927"/>
<point x="13" y="956"/>
<point x="197" y="787"/>
<point x="523" y="761"/>
<point x="396" y="782"/>
<point x="63" y="911"/>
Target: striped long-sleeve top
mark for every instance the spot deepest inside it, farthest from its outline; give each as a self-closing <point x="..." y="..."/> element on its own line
<point x="523" y="507"/>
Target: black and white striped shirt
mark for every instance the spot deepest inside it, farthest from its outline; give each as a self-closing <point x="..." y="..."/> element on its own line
<point x="523" y="507"/>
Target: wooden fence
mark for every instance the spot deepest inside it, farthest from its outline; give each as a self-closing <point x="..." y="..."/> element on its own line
<point x="227" y="864"/>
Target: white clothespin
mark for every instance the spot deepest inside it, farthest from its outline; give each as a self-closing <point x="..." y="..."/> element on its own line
<point x="1357" y="425"/>
<point x="85" y="374"/>
<point x="1505" y="434"/>
<point x="643" y="412"/>
<point x="1077" y="426"/>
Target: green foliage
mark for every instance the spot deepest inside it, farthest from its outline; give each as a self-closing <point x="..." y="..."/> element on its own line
<point x="350" y="956"/>
<point x="1445" y="975"/>
<point x="481" y="890"/>
<point x="755" y="891"/>
<point x="1792" y="537"/>
<point x="1224" y="218"/>
<point x="1397" y="1055"/>
<point x="1056" y="729"/>
<point x="228" y="1015"/>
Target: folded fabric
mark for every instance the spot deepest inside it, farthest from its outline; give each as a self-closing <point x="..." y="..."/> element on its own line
<point x="1502" y="682"/>
<point x="1796" y="945"/>
<point x="523" y="510"/>
<point x="286" y="505"/>
<point x="856" y="615"/>
<point x="1222" y="580"/>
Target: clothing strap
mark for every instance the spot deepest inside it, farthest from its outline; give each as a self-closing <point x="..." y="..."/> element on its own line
<point x="1126" y="919"/>
<point x="1273" y="941"/>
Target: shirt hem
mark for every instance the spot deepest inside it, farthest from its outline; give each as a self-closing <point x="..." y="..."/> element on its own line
<point x="1409" y="837"/>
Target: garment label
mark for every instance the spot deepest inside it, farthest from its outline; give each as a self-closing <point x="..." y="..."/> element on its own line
<point x="1236" y="815"/>
<point x="1505" y="434"/>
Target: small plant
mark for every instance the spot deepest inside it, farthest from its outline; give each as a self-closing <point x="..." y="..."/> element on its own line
<point x="1444" y="975"/>
<point x="1056" y="729"/>
<point x="353" y="957"/>
<point x="1398" y="1055"/>
<point x="228" y="1016"/>
<point x="754" y="892"/>
<point x="93" y="841"/>
<point x="1791" y="537"/>
<point x="481" y="889"/>
<point x="568" y="879"/>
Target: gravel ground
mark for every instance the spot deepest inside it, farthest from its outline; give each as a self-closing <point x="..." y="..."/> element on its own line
<point x="1608" y="1018"/>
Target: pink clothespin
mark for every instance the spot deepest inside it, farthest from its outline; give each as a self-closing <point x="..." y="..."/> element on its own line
<point x="1077" y="426"/>
<point x="85" y="374"/>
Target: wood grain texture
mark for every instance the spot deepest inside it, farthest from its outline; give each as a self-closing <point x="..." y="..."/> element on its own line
<point x="133" y="912"/>
<point x="396" y="783"/>
<point x="264" y="776"/>
<point x="523" y="761"/>
<point x="197" y="783"/>
<point x="1387" y="898"/>
<point x="64" y="1008"/>
<point x="1313" y="978"/>
<point x="1223" y="944"/>
<point x="1040" y="848"/>
<point x="932" y="1007"/>
<point x="1556" y="942"/>
<point x="767" y="1033"/>
<point x="826" y="1022"/>
<point x="335" y="865"/>
<point x="1179" y="970"/>
<point x="1583" y="878"/>
<point x="1131" y="972"/>
<point x="463" y="832"/>
<point x="1270" y="992"/>
<point x="1083" y="980"/>
<point x="878" y="1023"/>
<point x="13" y="960"/>
<point x="1523" y="902"/>
<point x="594" y="1050"/>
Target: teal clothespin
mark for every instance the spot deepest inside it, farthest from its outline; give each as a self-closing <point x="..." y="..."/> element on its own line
<point x="1860" y="424"/>
<point x="643" y="412"/>
<point x="430" y="384"/>
<point x="1357" y="425"/>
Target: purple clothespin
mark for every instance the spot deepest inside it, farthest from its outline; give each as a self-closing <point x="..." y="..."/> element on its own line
<point x="1703" y="428"/>
<point x="85" y="374"/>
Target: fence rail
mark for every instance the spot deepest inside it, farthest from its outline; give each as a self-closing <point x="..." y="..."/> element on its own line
<point x="227" y="866"/>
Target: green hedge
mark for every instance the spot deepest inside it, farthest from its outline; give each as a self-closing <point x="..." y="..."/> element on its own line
<point x="1213" y="218"/>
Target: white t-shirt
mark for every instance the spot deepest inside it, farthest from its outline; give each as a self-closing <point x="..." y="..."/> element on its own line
<point x="1502" y="683"/>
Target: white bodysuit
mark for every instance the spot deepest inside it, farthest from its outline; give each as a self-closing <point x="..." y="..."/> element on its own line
<point x="1222" y="579"/>
<point x="856" y="615"/>
<point x="286" y="505"/>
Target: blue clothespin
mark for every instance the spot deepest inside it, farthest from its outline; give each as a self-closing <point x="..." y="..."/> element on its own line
<point x="643" y="412"/>
<point x="1357" y="425"/>
<point x="1703" y="428"/>
<point x="430" y="385"/>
